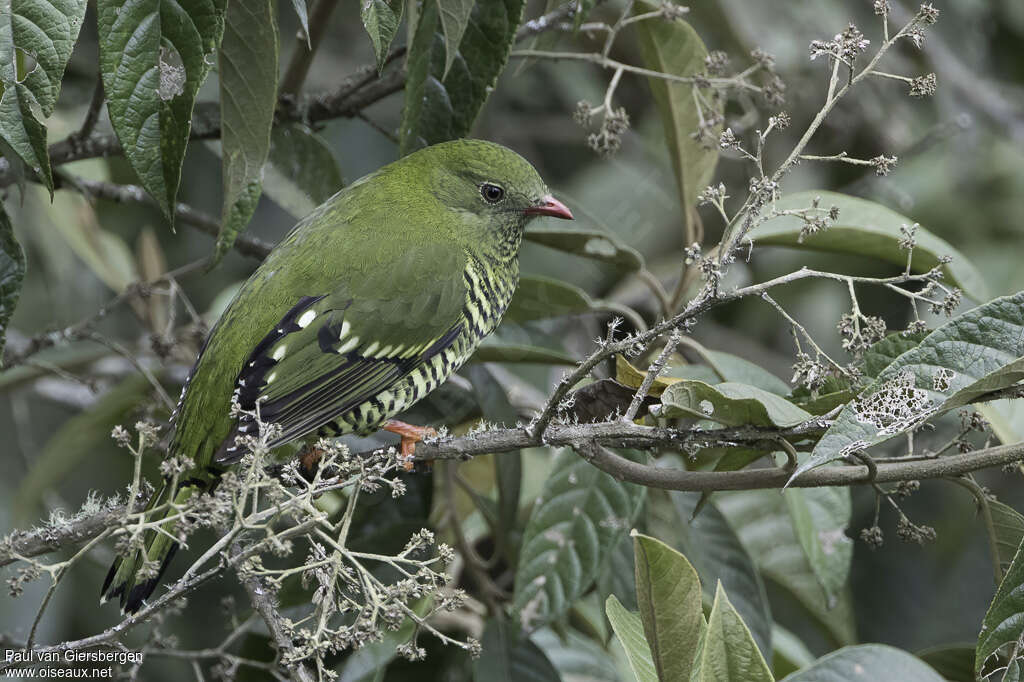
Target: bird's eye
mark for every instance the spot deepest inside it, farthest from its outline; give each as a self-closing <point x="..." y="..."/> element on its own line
<point x="492" y="194"/>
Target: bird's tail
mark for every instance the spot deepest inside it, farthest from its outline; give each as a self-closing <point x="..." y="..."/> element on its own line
<point x="132" y="578"/>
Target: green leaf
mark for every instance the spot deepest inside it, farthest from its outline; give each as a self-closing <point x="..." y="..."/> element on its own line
<point x="510" y="656"/>
<point x="729" y="651"/>
<point x="630" y="631"/>
<point x="673" y="47"/>
<point x="43" y="33"/>
<point x="616" y="578"/>
<point x="975" y="353"/>
<point x="496" y="351"/>
<point x="820" y="518"/>
<point x="590" y="244"/>
<point x="668" y="594"/>
<point x="729" y="404"/>
<point x="1003" y="625"/>
<point x="867" y="229"/>
<point x="442" y="104"/>
<point x="1008" y="525"/>
<point x="789" y="653"/>
<point x="954" y="662"/>
<point x="454" y="18"/>
<point x="576" y="657"/>
<point x="735" y="369"/>
<point x="248" y="98"/>
<point x="581" y="514"/>
<point x="880" y="355"/>
<point x="762" y="520"/>
<point x="866" y="662"/>
<point x="381" y="19"/>
<point x="539" y="297"/>
<point x="12" y="272"/>
<point x="301" y="172"/>
<point x="154" y="55"/>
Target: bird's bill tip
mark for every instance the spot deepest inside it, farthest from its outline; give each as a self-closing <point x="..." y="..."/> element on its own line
<point x="551" y="206"/>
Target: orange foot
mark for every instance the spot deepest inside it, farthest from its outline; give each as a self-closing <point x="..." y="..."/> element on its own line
<point x="410" y="436"/>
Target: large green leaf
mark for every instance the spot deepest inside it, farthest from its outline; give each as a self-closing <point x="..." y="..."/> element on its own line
<point x="442" y="106"/>
<point x="248" y="98"/>
<point x="1008" y="527"/>
<point x="454" y="18"/>
<point x="729" y="652"/>
<point x="510" y="656"/>
<point x="674" y="47"/>
<point x="630" y="631"/>
<point x="820" y="518"/>
<point x="381" y="19"/>
<point x="879" y="355"/>
<point x="12" y="271"/>
<point x="577" y="658"/>
<point x="789" y="653"/>
<point x="301" y="172"/>
<point x="866" y="662"/>
<point x="1003" y="626"/>
<point x="668" y="594"/>
<point x="867" y="229"/>
<point x="43" y="32"/>
<point x="540" y="297"/>
<point x="729" y="404"/>
<point x="590" y="244"/>
<point x="580" y="516"/>
<point x="973" y="354"/>
<point x="154" y="55"/>
<point x="763" y="521"/>
<point x="954" y="662"/>
<point x="735" y="369"/>
<point x="497" y="351"/>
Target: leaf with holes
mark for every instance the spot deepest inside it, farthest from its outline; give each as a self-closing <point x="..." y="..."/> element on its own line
<point x="301" y="172"/>
<point x="975" y="353"/>
<point x="248" y="98"/>
<point x="668" y="594"/>
<point x="867" y="229"/>
<point x="579" y="517"/>
<point x="36" y="39"/>
<point x="154" y="55"/>
<point x="764" y="524"/>
<point x="381" y="19"/>
<point x="588" y="244"/>
<point x="866" y="662"/>
<point x="673" y="47"/>
<point x="12" y="272"/>
<point x="509" y="655"/>
<point x="729" y="651"/>
<point x="630" y="631"/>
<point x="728" y="403"/>
<point x="442" y="104"/>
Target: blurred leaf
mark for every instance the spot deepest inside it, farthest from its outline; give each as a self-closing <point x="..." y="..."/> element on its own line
<point x="616" y="577"/>
<point x="954" y="662"/>
<point x="150" y="95"/>
<point x="602" y="399"/>
<point x="729" y="404"/>
<point x="580" y="515"/>
<point x="510" y="656"/>
<point x="442" y="104"/>
<point x="1004" y="624"/>
<point x="673" y="47"/>
<point x="12" y="272"/>
<point x="880" y="355"/>
<point x="36" y="39"/>
<point x="381" y="19"/>
<point x="729" y="652"/>
<point x="66" y="357"/>
<point x="106" y="254"/>
<point x="537" y="298"/>
<point x="1008" y="525"/>
<point x="630" y="631"/>
<point x="789" y="653"/>
<point x="152" y="265"/>
<point x="496" y="351"/>
<point x="588" y="244"/>
<point x="763" y="522"/>
<point x="301" y="172"/>
<point x="820" y="518"/>
<point x="735" y="369"/>
<point x="248" y="97"/>
<point x="975" y="353"/>
<point x="668" y="594"/>
<point x="867" y="229"/>
<point x="628" y="375"/>
<point x="302" y="13"/>
<point x="454" y="17"/>
<point x="576" y="657"/>
<point x="369" y="659"/>
<point x="866" y="662"/>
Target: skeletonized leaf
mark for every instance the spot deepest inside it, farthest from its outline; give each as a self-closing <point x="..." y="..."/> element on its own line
<point x="729" y="404"/>
<point x="248" y="97"/>
<point x="868" y="229"/>
<point x="674" y="47"/>
<point x="866" y="662"/>
<point x="588" y="244"/>
<point x="729" y="652"/>
<point x="580" y="516"/>
<point x="154" y="55"/>
<point x="381" y="19"/>
<point x="12" y="271"/>
<point x="975" y="353"/>
<point x="630" y="631"/>
<point x="301" y="172"/>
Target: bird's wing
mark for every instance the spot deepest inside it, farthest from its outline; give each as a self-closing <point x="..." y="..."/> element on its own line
<point x="333" y="351"/>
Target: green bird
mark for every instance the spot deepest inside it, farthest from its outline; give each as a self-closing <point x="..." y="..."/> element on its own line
<point x="367" y="305"/>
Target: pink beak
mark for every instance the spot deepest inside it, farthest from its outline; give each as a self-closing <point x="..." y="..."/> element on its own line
<point x="551" y="206"/>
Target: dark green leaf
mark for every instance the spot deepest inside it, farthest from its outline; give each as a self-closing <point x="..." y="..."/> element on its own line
<point x="381" y="19"/>
<point x="454" y="18"/>
<point x="630" y="631"/>
<point x="1003" y="626"/>
<point x="248" y="98"/>
<point x="668" y="594"/>
<point x="673" y="47"/>
<point x="975" y="353"/>
<point x="577" y="658"/>
<point x="789" y="653"/>
<point x="954" y="662"/>
<point x="588" y="244"/>
<point x="301" y="171"/>
<point x="616" y="578"/>
<point x="867" y="229"/>
<point x="879" y="355"/>
<point x="729" y="652"/>
<point x="1008" y="525"/>
<point x="441" y="107"/>
<point x="729" y="404"/>
<point x="510" y="656"/>
<point x="12" y="271"/>
<point x="866" y="662"/>
<point x="154" y="55"/>
<point x="540" y="297"/>
<point x="496" y="351"/>
<point x="580" y="515"/>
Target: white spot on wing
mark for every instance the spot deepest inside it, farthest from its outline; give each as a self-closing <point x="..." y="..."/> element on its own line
<point x="345" y="329"/>
<point x="306" y="318"/>
<point x="348" y="345"/>
<point x="279" y="352"/>
<point x="371" y="349"/>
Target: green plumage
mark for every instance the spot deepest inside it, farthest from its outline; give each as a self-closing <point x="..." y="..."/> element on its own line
<point x="371" y="302"/>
